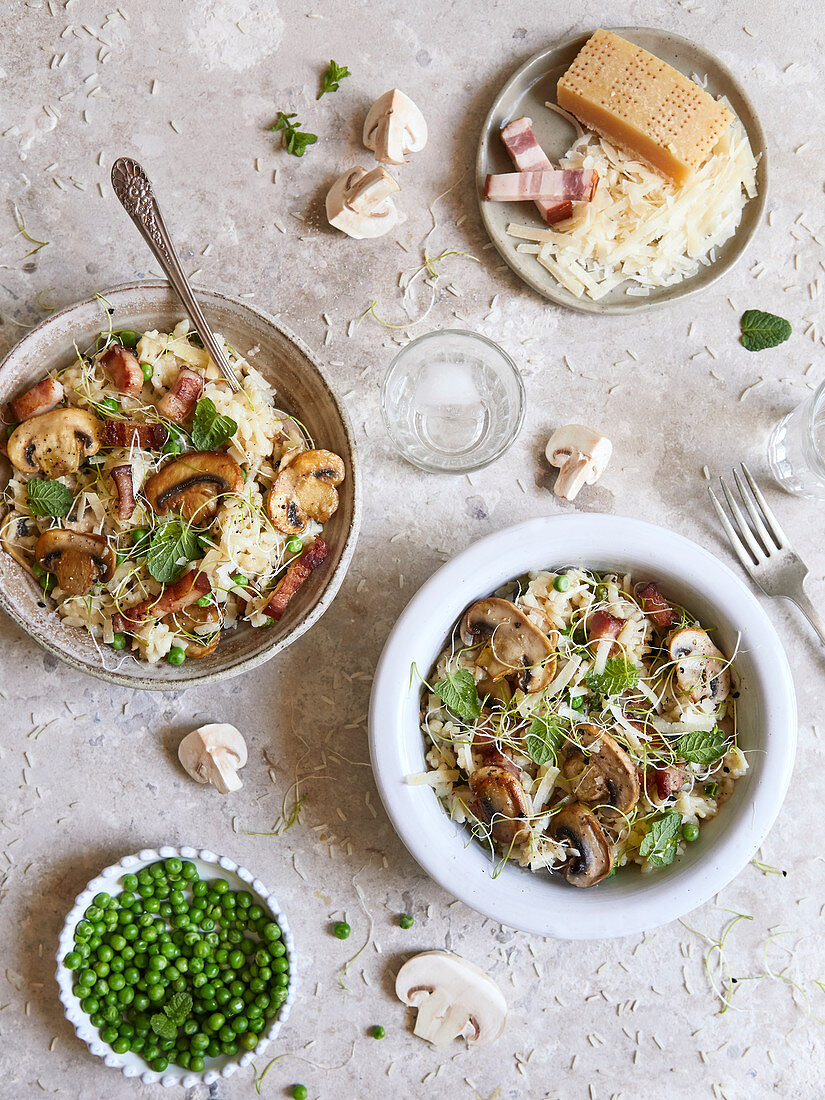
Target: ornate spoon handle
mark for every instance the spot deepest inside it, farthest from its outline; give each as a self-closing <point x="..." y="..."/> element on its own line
<point x="132" y="187"/>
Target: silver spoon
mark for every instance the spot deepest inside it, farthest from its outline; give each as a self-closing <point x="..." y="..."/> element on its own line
<point x="132" y="187"/>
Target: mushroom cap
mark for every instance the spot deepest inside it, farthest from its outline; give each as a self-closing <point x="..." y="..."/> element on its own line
<point x="453" y="997"/>
<point x="595" y="859"/>
<point x="198" y="623"/>
<point x="214" y="753"/>
<point x="701" y="670"/>
<point x="55" y="442"/>
<point x="516" y="647"/>
<point x="79" y="559"/>
<point x="606" y="776"/>
<point x="359" y="203"/>
<point x="581" y="454"/>
<point x="305" y="489"/>
<point x="394" y="126"/>
<point x="500" y="801"/>
<point x="193" y="485"/>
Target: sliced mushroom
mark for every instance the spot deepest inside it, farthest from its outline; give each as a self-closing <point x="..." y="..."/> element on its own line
<point x="13" y="526"/>
<point x="359" y="203"/>
<point x="701" y="670"/>
<point x="55" y="442"/>
<point x="41" y="398"/>
<point x="393" y="127"/>
<point x="290" y="438"/>
<point x="305" y="490"/>
<point x="581" y="454"/>
<point x="603" y="775"/>
<point x="79" y="560"/>
<point x="214" y="754"/>
<point x="193" y="485"/>
<point x="201" y="625"/>
<point x="501" y="803"/>
<point x="516" y="648"/>
<point x="454" y="997"/>
<point x="593" y="860"/>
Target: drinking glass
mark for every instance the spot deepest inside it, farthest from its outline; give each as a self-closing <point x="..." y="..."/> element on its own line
<point x="796" y="449"/>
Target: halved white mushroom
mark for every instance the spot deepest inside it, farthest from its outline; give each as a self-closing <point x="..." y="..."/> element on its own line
<point x="515" y="647"/>
<point x="214" y="754"/>
<point x="393" y="127"/>
<point x="581" y="455"/>
<point x="454" y="997"/>
<point x="600" y="772"/>
<point x="359" y="203"/>
<point x="593" y="860"/>
<point x="701" y="670"/>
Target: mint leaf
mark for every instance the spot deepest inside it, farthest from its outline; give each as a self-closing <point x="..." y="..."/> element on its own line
<point x="295" y="141"/>
<point x="543" y="739"/>
<point x="662" y="839"/>
<point x="163" y="1026"/>
<point x="458" y="692"/>
<point x="49" y="498"/>
<point x="209" y="429"/>
<point x="178" y="1008"/>
<point x="763" y="330"/>
<point x="172" y="547"/>
<point x="702" y="747"/>
<point x="618" y="676"/>
<point x="329" y="81"/>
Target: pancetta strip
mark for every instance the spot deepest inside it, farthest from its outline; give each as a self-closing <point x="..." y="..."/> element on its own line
<point x="174" y="597"/>
<point x="655" y="606"/>
<point x="574" y="184"/>
<point x="39" y="399"/>
<point x="294" y="577"/>
<point x="122" y="477"/>
<point x="528" y="156"/>
<point x="603" y="625"/>
<point x="146" y="435"/>
<point x="179" y="402"/>
<point x="123" y="369"/>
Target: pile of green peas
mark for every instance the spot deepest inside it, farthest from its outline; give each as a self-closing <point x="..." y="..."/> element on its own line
<point x="168" y="932"/>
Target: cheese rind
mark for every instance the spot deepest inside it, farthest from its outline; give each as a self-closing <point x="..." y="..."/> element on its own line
<point x="643" y="105"/>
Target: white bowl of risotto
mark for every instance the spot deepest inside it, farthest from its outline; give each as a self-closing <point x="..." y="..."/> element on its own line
<point x="583" y="726"/>
<point x="156" y="529"/>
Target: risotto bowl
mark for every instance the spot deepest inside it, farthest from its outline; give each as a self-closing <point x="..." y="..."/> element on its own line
<point x="630" y="902"/>
<point x="302" y="389"/>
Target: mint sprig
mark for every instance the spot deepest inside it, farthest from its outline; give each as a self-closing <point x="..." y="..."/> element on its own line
<point x="172" y="547"/>
<point x="543" y="740"/>
<point x="210" y="429"/>
<point x="175" y="1013"/>
<point x="330" y="79"/>
<point x="618" y="676"/>
<point x="763" y="330"/>
<point x="458" y="692"/>
<point x="295" y="140"/>
<point x="662" y="839"/>
<point x="49" y="498"/>
<point x="702" y="747"/>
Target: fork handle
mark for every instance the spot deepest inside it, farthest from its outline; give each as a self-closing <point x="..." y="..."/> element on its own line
<point x="810" y="612"/>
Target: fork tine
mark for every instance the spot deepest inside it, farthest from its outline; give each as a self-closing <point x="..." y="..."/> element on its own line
<point x="734" y="539"/>
<point x="753" y="512"/>
<point x="742" y="524"/>
<point x="779" y="536"/>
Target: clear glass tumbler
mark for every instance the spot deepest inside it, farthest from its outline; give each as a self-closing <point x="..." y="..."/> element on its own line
<point x="796" y="448"/>
<point x="452" y="401"/>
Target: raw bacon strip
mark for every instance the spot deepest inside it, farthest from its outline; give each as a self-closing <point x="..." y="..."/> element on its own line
<point x="123" y="369"/>
<point x="41" y="398"/>
<point x="575" y="184"/>
<point x="294" y="577"/>
<point x="528" y="156"/>
<point x="174" y="597"/>
<point x="122" y="477"/>
<point x="179" y="402"/>
<point x="655" y="606"/>
<point x="146" y="435"/>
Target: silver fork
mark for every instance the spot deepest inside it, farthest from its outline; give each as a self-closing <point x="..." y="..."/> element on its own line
<point x="763" y="548"/>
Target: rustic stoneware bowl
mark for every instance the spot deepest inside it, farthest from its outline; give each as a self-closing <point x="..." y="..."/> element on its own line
<point x="302" y="388"/>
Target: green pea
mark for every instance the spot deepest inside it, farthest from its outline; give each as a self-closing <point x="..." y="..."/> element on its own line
<point x="148" y="370"/>
<point x="299" y="1092"/>
<point x="73" y="961"/>
<point x="171" y="446"/>
<point x="120" y="1045"/>
<point x="577" y="702"/>
<point x="239" y="580"/>
<point x="176" y="655"/>
<point x="119" y="641"/>
<point x="295" y="546"/>
<point x="249" y="1040"/>
<point x="406" y="920"/>
<point x="110" y="403"/>
<point x="711" y="789"/>
<point x="378" y="1032"/>
<point x="196" y="1063"/>
<point x="129" y="338"/>
<point x="204" y="601"/>
<point x="690" y="831"/>
<point x="601" y="592"/>
<point x="561" y="583"/>
<point x="159" y="1064"/>
<point x="341" y="930"/>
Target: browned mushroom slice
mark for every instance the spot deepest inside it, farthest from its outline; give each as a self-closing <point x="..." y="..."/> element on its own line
<point x="701" y="670"/>
<point x="593" y="860"/>
<point x="14" y="527"/>
<point x="604" y="775"/>
<point x="516" y="648"/>
<point x="305" y="490"/>
<point x="202" y="627"/>
<point x="501" y="803"/>
<point x="79" y="560"/>
<point x="193" y="485"/>
<point x="55" y="442"/>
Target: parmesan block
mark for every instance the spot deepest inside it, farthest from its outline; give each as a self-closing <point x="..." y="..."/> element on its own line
<point x="642" y="105"/>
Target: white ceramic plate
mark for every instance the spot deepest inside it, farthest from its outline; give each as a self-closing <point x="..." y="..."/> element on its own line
<point x="629" y="902"/>
<point x="526" y="92"/>
<point x="210" y="866"/>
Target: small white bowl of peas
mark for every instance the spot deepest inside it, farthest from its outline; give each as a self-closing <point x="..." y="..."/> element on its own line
<point x="176" y="966"/>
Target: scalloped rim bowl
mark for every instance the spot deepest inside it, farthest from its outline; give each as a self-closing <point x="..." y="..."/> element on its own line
<point x="302" y="387"/>
<point x="131" y="1064"/>
<point x="628" y="903"/>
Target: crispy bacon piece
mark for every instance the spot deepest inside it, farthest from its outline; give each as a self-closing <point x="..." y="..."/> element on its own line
<point x="528" y="156"/>
<point x="174" y="597"/>
<point x="655" y="606"/>
<point x="148" y="436"/>
<point x="548" y="185"/>
<point x="294" y="577"/>
<point x="179" y="402"/>
<point x="604" y="625"/>
<point x="666" y="780"/>
<point x="123" y="369"/>
<point x="41" y="398"/>
<point x="122" y="477"/>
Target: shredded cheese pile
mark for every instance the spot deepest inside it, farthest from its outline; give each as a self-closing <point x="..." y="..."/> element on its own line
<point x="641" y="227"/>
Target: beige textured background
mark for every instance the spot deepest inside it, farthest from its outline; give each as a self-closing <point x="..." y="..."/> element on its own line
<point x="635" y="1017"/>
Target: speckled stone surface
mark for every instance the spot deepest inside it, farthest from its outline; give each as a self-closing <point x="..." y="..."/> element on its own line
<point x="90" y="772"/>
